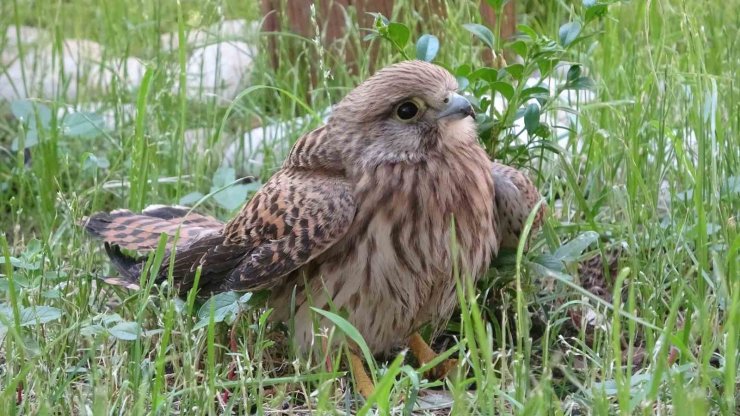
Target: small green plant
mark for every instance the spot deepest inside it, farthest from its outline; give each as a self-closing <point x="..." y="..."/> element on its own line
<point x="521" y="84"/>
<point x="36" y="121"/>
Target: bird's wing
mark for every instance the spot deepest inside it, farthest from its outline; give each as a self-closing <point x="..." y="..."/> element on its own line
<point x="295" y="216"/>
<point x="515" y="197"/>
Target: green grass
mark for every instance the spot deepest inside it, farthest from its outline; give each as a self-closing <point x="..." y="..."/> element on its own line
<point x="667" y="341"/>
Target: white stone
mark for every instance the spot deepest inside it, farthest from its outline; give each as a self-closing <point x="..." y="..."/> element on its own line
<point x="220" y="59"/>
<point x="240" y="30"/>
<point x="248" y="155"/>
<point x="113" y="118"/>
<point x="42" y="72"/>
<point x="218" y="71"/>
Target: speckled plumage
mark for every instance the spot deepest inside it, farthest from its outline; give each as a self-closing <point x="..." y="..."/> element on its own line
<point x="360" y="215"/>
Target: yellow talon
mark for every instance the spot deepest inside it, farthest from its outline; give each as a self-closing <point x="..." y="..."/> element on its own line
<point x="363" y="382"/>
<point x="421" y="350"/>
<point x="424" y="354"/>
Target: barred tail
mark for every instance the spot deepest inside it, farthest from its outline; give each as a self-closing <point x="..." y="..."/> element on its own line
<point x="141" y="233"/>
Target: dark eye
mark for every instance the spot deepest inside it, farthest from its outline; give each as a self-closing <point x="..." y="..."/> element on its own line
<point x="407" y="110"/>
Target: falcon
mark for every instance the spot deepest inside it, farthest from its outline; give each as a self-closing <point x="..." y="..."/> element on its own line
<point x="360" y="217"/>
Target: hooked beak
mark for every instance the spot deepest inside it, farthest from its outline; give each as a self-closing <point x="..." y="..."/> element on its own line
<point x="458" y="107"/>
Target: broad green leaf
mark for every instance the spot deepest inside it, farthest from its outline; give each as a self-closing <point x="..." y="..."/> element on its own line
<point x="595" y="9"/>
<point x="543" y="131"/>
<point x="52" y="294"/>
<point x="27" y="111"/>
<point x="486" y="74"/>
<point x="76" y="370"/>
<point x="532" y="118"/>
<point x="31" y="345"/>
<point x="21" y="281"/>
<point x="6" y="313"/>
<point x="483" y="103"/>
<point x="380" y="20"/>
<point x="572" y="250"/>
<point x="516" y="71"/>
<point x="82" y="125"/>
<point x="550" y="261"/>
<point x="547" y="272"/>
<point x="582" y="83"/>
<point x="241" y="304"/>
<point x="574" y="72"/>
<point x="92" y="330"/>
<point x="546" y="65"/>
<point x="569" y="32"/>
<point x="232" y="196"/>
<point x="610" y="387"/>
<point x="504" y="88"/>
<point x="399" y="33"/>
<point x="39" y="314"/>
<point x="110" y="318"/>
<point x="427" y="47"/>
<point x="463" y="70"/>
<point x="22" y="110"/>
<point x="191" y="198"/>
<point x="92" y="161"/>
<point x="245" y="298"/>
<point x="125" y="331"/>
<point x="21" y="264"/>
<point x="31" y="139"/>
<point x="519" y="47"/>
<point x="462" y="83"/>
<point x="535" y="92"/>
<point x="527" y="31"/>
<point x="224" y="176"/>
<point x="224" y="305"/>
<point x="483" y="33"/>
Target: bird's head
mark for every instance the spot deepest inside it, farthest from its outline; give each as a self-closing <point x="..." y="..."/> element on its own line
<point x="401" y="114"/>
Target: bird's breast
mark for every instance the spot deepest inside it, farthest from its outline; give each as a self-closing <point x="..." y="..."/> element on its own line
<point x="403" y="227"/>
<point x="392" y="271"/>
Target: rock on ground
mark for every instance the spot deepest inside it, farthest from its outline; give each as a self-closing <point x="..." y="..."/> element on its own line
<point x="32" y="67"/>
<point x="218" y="71"/>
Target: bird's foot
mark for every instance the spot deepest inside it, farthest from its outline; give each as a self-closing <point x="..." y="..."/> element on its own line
<point x="442" y="369"/>
<point x="424" y="354"/>
<point x="363" y="382"/>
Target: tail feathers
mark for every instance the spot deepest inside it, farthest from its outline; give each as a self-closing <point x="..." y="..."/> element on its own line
<point x="141" y="232"/>
<point x="593" y="272"/>
<point x="128" y="267"/>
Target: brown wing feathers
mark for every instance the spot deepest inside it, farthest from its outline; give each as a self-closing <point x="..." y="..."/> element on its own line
<point x="295" y="217"/>
<point x="515" y="197"/>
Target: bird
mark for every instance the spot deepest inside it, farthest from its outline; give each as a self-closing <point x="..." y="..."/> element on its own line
<point x="371" y="213"/>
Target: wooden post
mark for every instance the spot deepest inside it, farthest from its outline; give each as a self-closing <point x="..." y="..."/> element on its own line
<point x="330" y="16"/>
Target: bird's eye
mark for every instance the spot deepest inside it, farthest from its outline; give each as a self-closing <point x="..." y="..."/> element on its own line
<point x="407" y="110"/>
<point x="410" y="110"/>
